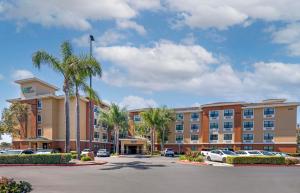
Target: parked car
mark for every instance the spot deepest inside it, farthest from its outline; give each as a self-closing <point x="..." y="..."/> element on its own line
<point x="2" y="151"/>
<point x="219" y="155"/>
<point x="205" y="152"/>
<point x="103" y="153"/>
<point x="249" y="153"/>
<point x="267" y="153"/>
<point x="18" y="152"/>
<point x="85" y="151"/>
<point x="46" y="151"/>
<point x="168" y="152"/>
<point x="280" y="154"/>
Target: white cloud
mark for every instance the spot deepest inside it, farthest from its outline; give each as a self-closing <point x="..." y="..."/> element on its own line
<point x="136" y="102"/>
<point x="22" y="74"/>
<point x="1" y="77"/>
<point x="222" y="14"/>
<point x="126" y="24"/>
<point x="73" y="13"/>
<point x="192" y="69"/>
<point x="289" y="36"/>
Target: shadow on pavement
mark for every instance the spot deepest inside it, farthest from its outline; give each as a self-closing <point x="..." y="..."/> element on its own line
<point x="135" y="165"/>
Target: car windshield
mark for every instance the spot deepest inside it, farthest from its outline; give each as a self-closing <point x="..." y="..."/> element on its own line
<point x="169" y="149"/>
<point x="13" y="152"/>
<point x="240" y="152"/>
<point x="44" y="150"/>
<point x="102" y="150"/>
<point x="254" y="152"/>
<point x="228" y="152"/>
<point x="86" y="150"/>
<point x="267" y="153"/>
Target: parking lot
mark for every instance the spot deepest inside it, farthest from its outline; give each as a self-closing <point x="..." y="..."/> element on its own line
<point x="158" y="174"/>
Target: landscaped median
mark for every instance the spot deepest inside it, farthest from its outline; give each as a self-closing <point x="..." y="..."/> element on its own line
<point x="261" y="160"/>
<point x="194" y="158"/>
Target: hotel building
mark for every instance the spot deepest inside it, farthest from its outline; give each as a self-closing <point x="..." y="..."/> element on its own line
<point x="268" y="125"/>
<point x="46" y="119"/>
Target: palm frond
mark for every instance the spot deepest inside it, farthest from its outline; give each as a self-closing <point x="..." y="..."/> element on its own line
<point x="42" y="57"/>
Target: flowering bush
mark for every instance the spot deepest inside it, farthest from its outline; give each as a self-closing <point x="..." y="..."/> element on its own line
<point x="192" y="156"/>
<point x="8" y="185"/>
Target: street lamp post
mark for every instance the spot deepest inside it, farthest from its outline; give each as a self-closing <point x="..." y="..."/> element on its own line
<point x="90" y="101"/>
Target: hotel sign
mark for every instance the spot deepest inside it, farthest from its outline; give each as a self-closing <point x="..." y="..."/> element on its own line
<point x="27" y="90"/>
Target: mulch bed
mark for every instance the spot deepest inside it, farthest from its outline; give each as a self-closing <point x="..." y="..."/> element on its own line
<point x="192" y="163"/>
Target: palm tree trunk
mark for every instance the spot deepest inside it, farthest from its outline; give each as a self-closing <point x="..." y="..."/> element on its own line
<point x="117" y="140"/>
<point x="162" y="140"/>
<point x="67" y="115"/>
<point x="77" y="124"/>
<point x="152" y="140"/>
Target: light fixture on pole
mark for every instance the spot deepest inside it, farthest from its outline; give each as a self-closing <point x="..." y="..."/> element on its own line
<point x="90" y="101"/>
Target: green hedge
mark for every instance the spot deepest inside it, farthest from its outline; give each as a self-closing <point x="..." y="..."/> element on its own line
<point x="58" y="158"/>
<point x="255" y="160"/>
<point x="294" y="154"/>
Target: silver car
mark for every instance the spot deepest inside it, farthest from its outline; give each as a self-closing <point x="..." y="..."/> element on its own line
<point x="103" y="153"/>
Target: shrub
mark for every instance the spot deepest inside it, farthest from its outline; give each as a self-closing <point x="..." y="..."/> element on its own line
<point x="74" y="156"/>
<point x="255" y="160"/>
<point x="57" y="158"/>
<point x="193" y="156"/>
<point x="294" y="154"/>
<point x="73" y="152"/>
<point x="86" y="158"/>
<point x="291" y="161"/>
<point x="9" y="185"/>
<point x="182" y="157"/>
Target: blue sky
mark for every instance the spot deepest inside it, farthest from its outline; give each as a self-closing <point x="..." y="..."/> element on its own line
<point x="169" y="52"/>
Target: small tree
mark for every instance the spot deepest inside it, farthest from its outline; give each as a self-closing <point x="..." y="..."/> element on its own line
<point x="166" y="117"/>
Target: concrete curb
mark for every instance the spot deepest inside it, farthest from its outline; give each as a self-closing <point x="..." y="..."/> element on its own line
<point x="64" y="165"/>
<point x="263" y="165"/>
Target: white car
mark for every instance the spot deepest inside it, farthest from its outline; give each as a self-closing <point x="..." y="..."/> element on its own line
<point x="168" y="152"/>
<point x="103" y="153"/>
<point x="219" y="155"/>
<point x="280" y="154"/>
<point x="46" y="151"/>
<point x="85" y="151"/>
<point x="249" y="153"/>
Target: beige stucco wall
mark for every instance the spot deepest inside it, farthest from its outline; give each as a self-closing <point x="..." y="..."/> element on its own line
<point x="285" y="124"/>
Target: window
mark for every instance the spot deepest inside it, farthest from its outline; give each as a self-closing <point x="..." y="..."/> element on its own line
<point x="96" y="135"/>
<point x="247" y="147"/>
<point x="194" y="127"/>
<point x="104" y="126"/>
<point x="269" y="111"/>
<point x="268" y="136"/>
<point x="248" y="112"/>
<point x="95" y="121"/>
<point x="214" y="114"/>
<point x="96" y="109"/>
<point x="248" y="124"/>
<point x="228" y="136"/>
<point x="194" y="148"/>
<point x="194" y="137"/>
<point x="248" y="136"/>
<point x="39" y="118"/>
<point x="213" y="137"/>
<point x="104" y="136"/>
<point x="137" y="118"/>
<point x="39" y="104"/>
<point x="179" y="137"/>
<point x="268" y="148"/>
<point x="213" y="126"/>
<point x="179" y="127"/>
<point x="194" y="116"/>
<point x="228" y="112"/>
<point x="268" y="123"/>
<point x="179" y="116"/>
<point x="39" y="132"/>
<point x="227" y="125"/>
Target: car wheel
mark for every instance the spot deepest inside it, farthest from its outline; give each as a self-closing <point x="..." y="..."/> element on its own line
<point x="224" y="160"/>
<point x="208" y="158"/>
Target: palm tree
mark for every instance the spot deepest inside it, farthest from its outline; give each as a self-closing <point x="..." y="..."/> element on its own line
<point x="117" y="118"/>
<point x="63" y="67"/>
<point x="151" y="118"/>
<point x="81" y="68"/>
<point x="166" y="117"/>
<point x="20" y="110"/>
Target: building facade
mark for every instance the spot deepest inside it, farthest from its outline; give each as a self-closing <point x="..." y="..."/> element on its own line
<point x="268" y="125"/>
<point x="45" y="126"/>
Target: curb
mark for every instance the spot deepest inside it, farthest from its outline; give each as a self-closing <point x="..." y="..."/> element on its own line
<point x="65" y="165"/>
<point x="263" y="165"/>
<point x="192" y="163"/>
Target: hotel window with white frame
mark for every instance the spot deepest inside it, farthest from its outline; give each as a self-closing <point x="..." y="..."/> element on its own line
<point x="95" y="121"/>
<point x="228" y="112"/>
<point x="268" y="123"/>
<point x="213" y="137"/>
<point x="248" y="147"/>
<point x="39" y="104"/>
<point x="39" y="132"/>
<point x="104" y="136"/>
<point x="248" y="125"/>
<point x="179" y="127"/>
<point x="96" y="135"/>
<point x="269" y="111"/>
<point x="194" y="137"/>
<point x="194" y="127"/>
<point x="228" y="125"/>
<point x="214" y="114"/>
<point x="268" y="148"/>
<point x="179" y="116"/>
<point x="268" y="136"/>
<point x="227" y="136"/>
<point x="194" y="148"/>
<point x="248" y="136"/>
<point x="39" y="118"/>
<point x="194" y="116"/>
<point x="137" y="118"/>
<point x="248" y="112"/>
<point x="213" y="125"/>
<point x="179" y="138"/>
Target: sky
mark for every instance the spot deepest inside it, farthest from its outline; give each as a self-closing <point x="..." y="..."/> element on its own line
<point x="177" y="53"/>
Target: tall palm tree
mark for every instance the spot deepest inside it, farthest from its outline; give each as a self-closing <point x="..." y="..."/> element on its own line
<point x="166" y="117"/>
<point x="151" y="118"/>
<point x="117" y="118"/>
<point x="81" y="68"/>
<point x="63" y="67"/>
